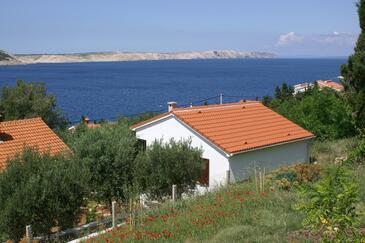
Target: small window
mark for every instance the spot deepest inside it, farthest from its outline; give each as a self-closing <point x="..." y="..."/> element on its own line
<point x="204" y="179"/>
<point x="142" y="144"/>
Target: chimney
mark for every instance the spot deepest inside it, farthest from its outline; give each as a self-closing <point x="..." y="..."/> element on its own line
<point x="171" y="106"/>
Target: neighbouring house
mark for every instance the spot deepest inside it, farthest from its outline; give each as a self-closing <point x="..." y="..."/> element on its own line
<point x="330" y="84"/>
<point x="301" y="88"/>
<point x="235" y="137"/>
<point x="87" y="123"/>
<point x="34" y="133"/>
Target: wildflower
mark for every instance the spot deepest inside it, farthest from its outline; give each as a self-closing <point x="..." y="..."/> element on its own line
<point x="323" y="220"/>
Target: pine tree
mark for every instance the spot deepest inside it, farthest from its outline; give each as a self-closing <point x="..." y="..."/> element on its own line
<point x="354" y="73"/>
<point x="278" y="94"/>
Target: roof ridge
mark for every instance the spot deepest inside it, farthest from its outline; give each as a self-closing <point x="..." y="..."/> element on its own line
<point x="217" y="106"/>
<point x="21" y="120"/>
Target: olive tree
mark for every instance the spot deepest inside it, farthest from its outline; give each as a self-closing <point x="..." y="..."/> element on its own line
<point x="169" y="163"/>
<point x="109" y="153"/>
<point x="40" y="190"/>
<point x="28" y="100"/>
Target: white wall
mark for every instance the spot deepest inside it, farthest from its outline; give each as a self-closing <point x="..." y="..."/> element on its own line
<point x="172" y="128"/>
<point x="242" y="165"/>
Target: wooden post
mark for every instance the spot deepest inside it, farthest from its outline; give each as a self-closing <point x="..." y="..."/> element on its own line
<point x="228" y="177"/>
<point x="256" y="185"/>
<point x="114" y="214"/>
<point x="28" y="233"/>
<point x="263" y="181"/>
<point x="260" y="180"/>
<point x="173" y="193"/>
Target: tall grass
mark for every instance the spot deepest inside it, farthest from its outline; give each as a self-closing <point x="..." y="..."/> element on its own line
<point x="232" y="214"/>
<point x="328" y="151"/>
<point x="237" y="213"/>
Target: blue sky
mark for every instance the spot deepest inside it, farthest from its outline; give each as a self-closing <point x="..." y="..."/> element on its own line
<point x="289" y="28"/>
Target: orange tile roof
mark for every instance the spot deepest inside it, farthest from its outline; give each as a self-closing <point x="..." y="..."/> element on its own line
<point x="330" y="84"/>
<point x="238" y="127"/>
<point x="15" y="135"/>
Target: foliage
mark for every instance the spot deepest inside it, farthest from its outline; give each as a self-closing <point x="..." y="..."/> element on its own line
<point x="287" y="177"/>
<point x="323" y="112"/>
<point x="141" y="117"/>
<point x="71" y="136"/>
<point x="354" y="73"/>
<point x="326" y="152"/>
<point x="357" y="154"/>
<point x="28" y="100"/>
<point x="284" y="92"/>
<point x="266" y="100"/>
<point x="329" y="205"/>
<point x="42" y="191"/>
<point x="109" y="153"/>
<point x="166" y="164"/>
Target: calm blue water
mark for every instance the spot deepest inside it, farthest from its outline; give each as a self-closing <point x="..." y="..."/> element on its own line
<point x="108" y="89"/>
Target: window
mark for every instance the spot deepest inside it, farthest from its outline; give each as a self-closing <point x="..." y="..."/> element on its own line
<point x="204" y="179"/>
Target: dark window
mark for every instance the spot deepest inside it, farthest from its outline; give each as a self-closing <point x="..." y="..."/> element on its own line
<point x="204" y="179"/>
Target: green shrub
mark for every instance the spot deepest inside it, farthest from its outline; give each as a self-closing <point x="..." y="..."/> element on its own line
<point x="357" y="154"/>
<point x="287" y="177"/>
<point x="42" y="191"/>
<point x="329" y="206"/>
<point x="290" y="176"/>
<point x="166" y="164"/>
<point x="323" y="112"/>
<point x="109" y="153"/>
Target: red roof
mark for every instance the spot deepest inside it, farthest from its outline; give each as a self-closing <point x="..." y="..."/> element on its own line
<point x="330" y="84"/>
<point x="238" y="127"/>
<point x="15" y="135"/>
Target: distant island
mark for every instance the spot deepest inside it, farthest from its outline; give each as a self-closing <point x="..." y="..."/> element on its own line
<point x="9" y="59"/>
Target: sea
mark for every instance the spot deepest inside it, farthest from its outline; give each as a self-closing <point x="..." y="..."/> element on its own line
<point x="108" y="90"/>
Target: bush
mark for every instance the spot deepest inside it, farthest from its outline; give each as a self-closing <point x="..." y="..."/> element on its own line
<point x="166" y="164"/>
<point x="109" y="153"/>
<point x="287" y="177"/>
<point x="329" y="205"/>
<point x="323" y="112"/>
<point x="42" y="191"/>
<point x="357" y="154"/>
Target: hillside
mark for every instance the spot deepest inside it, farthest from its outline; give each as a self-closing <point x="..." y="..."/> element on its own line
<point x="138" y="56"/>
<point x="6" y="58"/>
<point x="239" y="213"/>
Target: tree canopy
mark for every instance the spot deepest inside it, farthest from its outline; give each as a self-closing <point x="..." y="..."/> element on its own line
<point x="354" y="73"/>
<point x="28" y="100"/>
<point x="109" y="153"/>
<point x="168" y="163"/>
<point x="323" y="112"/>
<point x="40" y="190"/>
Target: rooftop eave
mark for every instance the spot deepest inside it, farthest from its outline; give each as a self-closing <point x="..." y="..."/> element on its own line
<point x="136" y="128"/>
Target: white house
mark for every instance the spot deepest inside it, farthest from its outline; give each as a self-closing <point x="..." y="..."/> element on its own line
<point x="235" y="137"/>
<point x="301" y="88"/>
